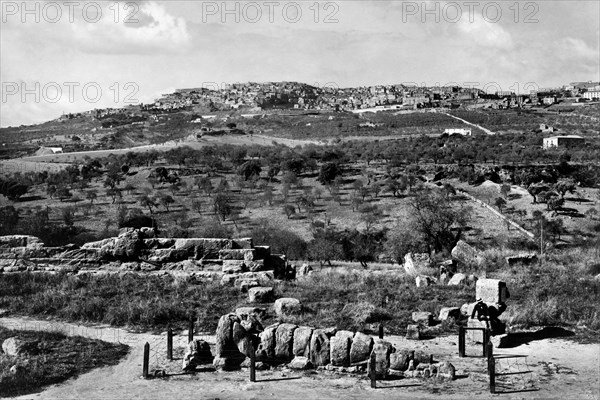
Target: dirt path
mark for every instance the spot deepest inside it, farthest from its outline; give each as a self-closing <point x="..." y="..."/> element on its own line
<point x="553" y="369"/>
<point x="472" y="124"/>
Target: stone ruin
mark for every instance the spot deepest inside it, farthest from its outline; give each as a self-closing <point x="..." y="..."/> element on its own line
<point x="139" y="250"/>
<point x="303" y="347"/>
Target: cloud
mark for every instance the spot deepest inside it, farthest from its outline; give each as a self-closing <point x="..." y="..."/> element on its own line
<point x="156" y="30"/>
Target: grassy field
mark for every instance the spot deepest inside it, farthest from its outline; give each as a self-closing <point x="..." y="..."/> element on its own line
<point x="52" y="358"/>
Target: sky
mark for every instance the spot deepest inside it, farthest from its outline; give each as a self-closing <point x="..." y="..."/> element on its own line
<point x="59" y="57"/>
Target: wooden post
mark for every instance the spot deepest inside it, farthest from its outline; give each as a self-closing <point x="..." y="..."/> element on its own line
<point x="170" y="344"/>
<point x="486" y="341"/>
<point x="380" y="331"/>
<point x="372" y="370"/>
<point x="461" y="341"/>
<point x="252" y="362"/>
<point x="491" y="366"/>
<point x="191" y="329"/>
<point x="146" y="360"/>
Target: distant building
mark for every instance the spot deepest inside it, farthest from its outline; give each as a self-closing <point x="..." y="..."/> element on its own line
<point x="548" y="100"/>
<point x="42" y="151"/>
<point x="546" y="128"/>
<point x="563" y="141"/>
<point x="591" y="95"/>
<point x="458" y="131"/>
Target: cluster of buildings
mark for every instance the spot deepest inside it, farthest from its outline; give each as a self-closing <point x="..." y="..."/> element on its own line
<point x="294" y="95"/>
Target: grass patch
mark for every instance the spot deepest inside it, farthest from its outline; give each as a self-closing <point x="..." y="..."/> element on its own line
<point x="52" y="358"/>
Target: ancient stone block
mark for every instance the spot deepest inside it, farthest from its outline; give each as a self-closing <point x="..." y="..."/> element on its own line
<point x="457" y="279"/>
<point x="301" y="345"/>
<point x="260" y="294"/>
<point x="413" y="332"/>
<point x="449" y="312"/>
<point x="197" y="353"/>
<point x="399" y="360"/>
<point x="491" y="290"/>
<point x="361" y="348"/>
<point x="447" y="371"/>
<point x="241" y="243"/>
<point x="340" y="348"/>
<point x="300" y="363"/>
<point x="382" y="350"/>
<point x="266" y="348"/>
<point x="466" y="253"/>
<point x="20" y="241"/>
<point x="287" y="306"/>
<point x="237" y="254"/>
<point x="284" y="339"/>
<point x="319" y="347"/>
<point x="423" y="317"/>
<point x="233" y="266"/>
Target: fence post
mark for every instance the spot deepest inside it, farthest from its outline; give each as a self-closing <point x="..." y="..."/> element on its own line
<point x="191" y="329"/>
<point x="486" y="339"/>
<point x="252" y="362"/>
<point x="146" y="360"/>
<point x="380" y="331"/>
<point x="461" y="341"/>
<point x="170" y="344"/>
<point x="372" y="372"/>
<point x="491" y="366"/>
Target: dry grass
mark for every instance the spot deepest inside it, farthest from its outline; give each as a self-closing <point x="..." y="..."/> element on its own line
<point x="52" y="358"/>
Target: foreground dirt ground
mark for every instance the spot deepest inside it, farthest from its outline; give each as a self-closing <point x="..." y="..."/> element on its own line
<point x="549" y="369"/>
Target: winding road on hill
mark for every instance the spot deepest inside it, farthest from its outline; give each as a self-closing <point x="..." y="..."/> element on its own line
<point x="558" y="369"/>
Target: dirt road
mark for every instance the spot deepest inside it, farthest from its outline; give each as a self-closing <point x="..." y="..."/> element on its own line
<point x="552" y="369"/>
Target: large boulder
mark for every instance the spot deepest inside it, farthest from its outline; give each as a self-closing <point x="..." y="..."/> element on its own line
<point x="260" y="294"/>
<point x="302" y="336"/>
<point x="197" y="353"/>
<point x="319" y="346"/>
<point x="362" y="345"/>
<point x="466" y="254"/>
<point x="284" y="339"/>
<point x="287" y="306"/>
<point x="340" y="346"/>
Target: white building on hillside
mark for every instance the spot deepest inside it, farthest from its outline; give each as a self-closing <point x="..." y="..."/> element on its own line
<point x="458" y="131"/>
